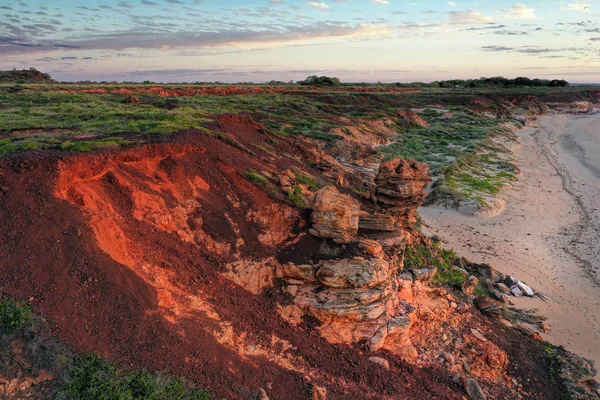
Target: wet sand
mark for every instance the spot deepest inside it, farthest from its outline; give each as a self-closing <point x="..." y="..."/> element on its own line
<point x="549" y="232"/>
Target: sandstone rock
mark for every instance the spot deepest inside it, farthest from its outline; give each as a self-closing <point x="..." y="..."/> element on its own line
<point x="543" y="327"/>
<point x="253" y="276"/>
<point x="488" y="306"/>
<point x="356" y="272"/>
<point x="406" y="276"/>
<point x="486" y="271"/>
<point x="260" y="395"/>
<point x="303" y="272"/>
<point x="425" y="274"/>
<point x="371" y="247"/>
<point x="377" y="222"/>
<point x="319" y="393"/>
<point x="380" y="361"/>
<point x="392" y="331"/>
<point x="473" y="389"/>
<point x="352" y="305"/>
<point x="503" y="288"/>
<point x="335" y="215"/>
<point x="469" y="286"/>
<point x="388" y="239"/>
<point x="399" y="186"/>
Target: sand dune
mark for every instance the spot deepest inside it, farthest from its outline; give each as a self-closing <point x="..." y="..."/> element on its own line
<point x="549" y="233"/>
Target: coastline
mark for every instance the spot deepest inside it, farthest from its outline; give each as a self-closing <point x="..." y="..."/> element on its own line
<point x="547" y="235"/>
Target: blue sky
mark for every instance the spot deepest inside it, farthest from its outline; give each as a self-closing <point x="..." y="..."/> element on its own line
<point x="259" y="40"/>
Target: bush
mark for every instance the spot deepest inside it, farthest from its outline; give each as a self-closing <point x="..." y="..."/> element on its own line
<point x="14" y="316"/>
<point x="95" y="378"/>
<point x="297" y="198"/>
<point x="320" y="81"/>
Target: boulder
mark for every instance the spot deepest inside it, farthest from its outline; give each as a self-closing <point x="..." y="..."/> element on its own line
<point x="473" y="389"/>
<point x="356" y="272"/>
<point x="469" y="286"/>
<point x="525" y="289"/>
<point x="516" y="291"/>
<point x="335" y="215"/>
<point x="486" y="271"/>
<point x="425" y="274"/>
<point x="380" y="361"/>
<point x="488" y="306"/>
<point x="510" y="281"/>
<point x="503" y="288"/>
<point x="399" y="187"/>
<point x="260" y="394"/>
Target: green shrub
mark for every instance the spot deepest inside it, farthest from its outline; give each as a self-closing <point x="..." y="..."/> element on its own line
<point x="256" y="178"/>
<point x="95" y="378"/>
<point x="14" y="316"/>
<point x="304" y="179"/>
<point x="434" y="256"/>
<point x="297" y="198"/>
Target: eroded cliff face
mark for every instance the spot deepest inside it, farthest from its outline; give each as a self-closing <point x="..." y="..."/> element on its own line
<point x="168" y="257"/>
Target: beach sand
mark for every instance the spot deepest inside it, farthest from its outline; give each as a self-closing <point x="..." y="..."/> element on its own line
<point x="549" y="233"/>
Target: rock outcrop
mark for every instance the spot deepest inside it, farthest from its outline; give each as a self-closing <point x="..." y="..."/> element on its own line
<point x="399" y="187"/>
<point x="335" y="216"/>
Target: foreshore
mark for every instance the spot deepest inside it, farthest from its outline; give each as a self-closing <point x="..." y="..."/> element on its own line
<point x="549" y="232"/>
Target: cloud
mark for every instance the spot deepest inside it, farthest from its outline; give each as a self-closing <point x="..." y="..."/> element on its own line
<point x="518" y="11"/>
<point x="320" y="6"/>
<point x="380" y="2"/>
<point x="205" y="39"/>
<point x="468" y="17"/>
<point x="576" y="7"/>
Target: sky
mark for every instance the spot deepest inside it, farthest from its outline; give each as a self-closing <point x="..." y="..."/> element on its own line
<point x="262" y="40"/>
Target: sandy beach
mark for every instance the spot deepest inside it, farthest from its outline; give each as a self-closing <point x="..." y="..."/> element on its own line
<point x="549" y="233"/>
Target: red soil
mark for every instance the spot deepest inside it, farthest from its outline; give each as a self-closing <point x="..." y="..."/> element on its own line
<point x="164" y="91"/>
<point x="124" y="252"/>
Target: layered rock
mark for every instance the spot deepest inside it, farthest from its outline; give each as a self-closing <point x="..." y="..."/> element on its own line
<point x="335" y="216"/>
<point x="399" y="187"/>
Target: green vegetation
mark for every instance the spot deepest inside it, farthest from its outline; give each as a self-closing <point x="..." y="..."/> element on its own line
<point x="95" y="378"/>
<point x="31" y="75"/>
<point x="461" y="148"/>
<point x="320" y="81"/>
<point x="256" y="178"/>
<point x="81" y="377"/>
<point x="304" y="179"/>
<point x="296" y="197"/>
<point x="14" y="316"/>
<point x="434" y="256"/>
<point x="551" y="362"/>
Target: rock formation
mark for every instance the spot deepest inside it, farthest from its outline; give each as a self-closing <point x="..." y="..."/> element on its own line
<point x="335" y="216"/>
<point x="399" y="187"/>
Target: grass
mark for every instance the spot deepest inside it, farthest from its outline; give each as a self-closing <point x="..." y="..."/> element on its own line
<point x="256" y="178"/>
<point x="304" y="179"/>
<point x="297" y="198"/>
<point x="435" y="256"/>
<point x="95" y="378"/>
<point x="464" y="150"/>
